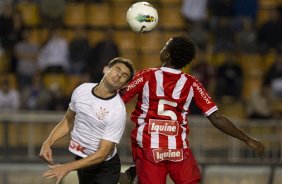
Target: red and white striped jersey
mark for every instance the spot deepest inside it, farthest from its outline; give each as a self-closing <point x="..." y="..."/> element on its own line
<point x="164" y="97"/>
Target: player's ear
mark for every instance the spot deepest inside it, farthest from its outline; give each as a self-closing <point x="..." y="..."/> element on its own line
<point x="106" y="69"/>
<point x="167" y="55"/>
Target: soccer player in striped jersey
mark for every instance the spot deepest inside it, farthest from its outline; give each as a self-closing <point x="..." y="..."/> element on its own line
<point x="159" y="140"/>
<point x="96" y="119"/>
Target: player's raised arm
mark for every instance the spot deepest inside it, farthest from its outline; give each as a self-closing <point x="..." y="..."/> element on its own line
<point x="225" y="125"/>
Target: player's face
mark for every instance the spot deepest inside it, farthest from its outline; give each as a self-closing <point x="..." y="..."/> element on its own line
<point x="117" y="75"/>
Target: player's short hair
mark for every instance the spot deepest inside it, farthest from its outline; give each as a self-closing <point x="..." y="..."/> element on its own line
<point x="182" y="51"/>
<point x="126" y="62"/>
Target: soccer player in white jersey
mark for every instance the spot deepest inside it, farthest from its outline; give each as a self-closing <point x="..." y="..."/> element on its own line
<point x="159" y="140"/>
<point x="96" y="119"/>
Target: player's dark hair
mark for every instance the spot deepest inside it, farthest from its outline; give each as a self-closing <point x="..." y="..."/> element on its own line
<point x="126" y="62"/>
<point x="182" y="51"/>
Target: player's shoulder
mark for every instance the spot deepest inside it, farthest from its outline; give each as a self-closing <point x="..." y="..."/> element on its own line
<point x="190" y="77"/>
<point x="87" y="84"/>
<point x="192" y="80"/>
<point x="118" y="103"/>
<point x="146" y="71"/>
<point x="84" y="87"/>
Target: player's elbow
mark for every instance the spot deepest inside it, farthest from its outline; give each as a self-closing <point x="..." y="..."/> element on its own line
<point x="100" y="160"/>
<point x="215" y="116"/>
<point x="217" y="119"/>
<point x="103" y="157"/>
<point x="100" y="157"/>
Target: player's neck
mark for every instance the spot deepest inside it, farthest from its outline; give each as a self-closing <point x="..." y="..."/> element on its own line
<point x="102" y="91"/>
<point x="169" y="65"/>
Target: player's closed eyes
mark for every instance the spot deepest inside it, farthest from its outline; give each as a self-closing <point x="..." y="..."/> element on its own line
<point x="123" y="74"/>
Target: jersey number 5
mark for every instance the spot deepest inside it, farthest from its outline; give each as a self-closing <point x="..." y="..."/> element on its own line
<point x="163" y="112"/>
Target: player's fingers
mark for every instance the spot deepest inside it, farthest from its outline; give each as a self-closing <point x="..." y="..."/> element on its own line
<point x="42" y="155"/>
<point x="48" y="174"/>
<point x="48" y="159"/>
<point x="49" y="177"/>
<point x="54" y="166"/>
<point x="260" y="150"/>
<point x="50" y="156"/>
<point x="59" y="180"/>
<point x="45" y="157"/>
<point x="51" y="162"/>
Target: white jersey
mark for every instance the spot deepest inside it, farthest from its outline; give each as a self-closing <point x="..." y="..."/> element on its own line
<point x="96" y="118"/>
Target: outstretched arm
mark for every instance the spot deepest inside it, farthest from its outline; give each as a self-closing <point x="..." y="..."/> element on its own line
<point x="60" y="171"/>
<point x="62" y="129"/>
<point x="226" y="126"/>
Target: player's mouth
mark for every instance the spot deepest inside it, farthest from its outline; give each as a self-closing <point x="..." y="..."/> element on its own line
<point x="115" y="80"/>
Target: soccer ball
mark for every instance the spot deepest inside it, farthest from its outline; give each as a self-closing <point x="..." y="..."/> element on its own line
<point x="142" y="17"/>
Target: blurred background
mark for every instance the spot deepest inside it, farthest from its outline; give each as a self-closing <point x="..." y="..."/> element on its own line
<point x="48" y="47"/>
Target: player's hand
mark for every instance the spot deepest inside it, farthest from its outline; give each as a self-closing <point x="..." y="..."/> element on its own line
<point x="128" y="176"/>
<point x="257" y="146"/>
<point x="56" y="171"/>
<point x="46" y="153"/>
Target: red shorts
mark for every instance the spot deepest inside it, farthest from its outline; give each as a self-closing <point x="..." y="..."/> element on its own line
<point x="181" y="172"/>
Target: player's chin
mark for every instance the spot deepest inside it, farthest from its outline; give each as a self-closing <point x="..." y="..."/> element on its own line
<point x="116" y="85"/>
<point x="115" y="80"/>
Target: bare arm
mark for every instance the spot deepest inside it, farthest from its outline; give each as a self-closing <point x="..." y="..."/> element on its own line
<point x="61" y="130"/>
<point x="226" y="126"/>
<point x="59" y="171"/>
<point x="105" y="148"/>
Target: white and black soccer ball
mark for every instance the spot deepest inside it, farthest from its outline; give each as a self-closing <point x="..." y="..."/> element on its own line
<point x="142" y="17"/>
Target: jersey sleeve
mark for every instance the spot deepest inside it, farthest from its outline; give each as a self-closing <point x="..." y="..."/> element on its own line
<point x="134" y="86"/>
<point x="115" y="128"/>
<point x="74" y="97"/>
<point x="202" y="99"/>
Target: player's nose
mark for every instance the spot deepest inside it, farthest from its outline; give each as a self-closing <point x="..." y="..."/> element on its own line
<point x="119" y="74"/>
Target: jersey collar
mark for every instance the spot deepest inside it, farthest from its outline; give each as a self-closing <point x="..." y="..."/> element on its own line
<point x="108" y="98"/>
<point x="171" y="70"/>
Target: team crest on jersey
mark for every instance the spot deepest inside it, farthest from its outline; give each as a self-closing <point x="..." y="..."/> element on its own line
<point x="164" y="127"/>
<point x="102" y="113"/>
